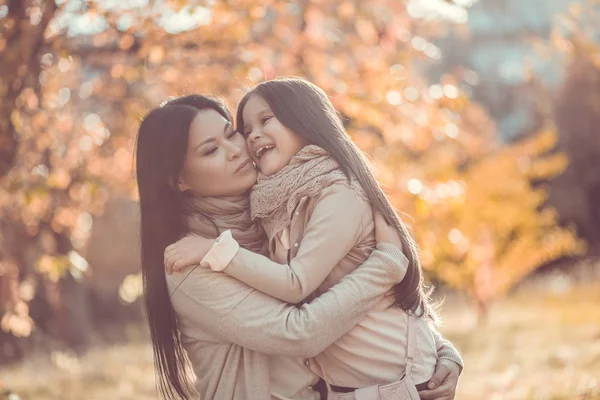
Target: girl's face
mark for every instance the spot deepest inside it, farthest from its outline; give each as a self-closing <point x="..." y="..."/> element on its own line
<point x="270" y="143"/>
<point x="217" y="162"/>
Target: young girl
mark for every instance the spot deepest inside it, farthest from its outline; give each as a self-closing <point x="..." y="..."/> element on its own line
<point x="314" y="200"/>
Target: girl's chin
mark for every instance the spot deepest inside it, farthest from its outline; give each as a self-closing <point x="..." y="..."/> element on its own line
<point x="267" y="173"/>
<point x="268" y="164"/>
<point x="268" y="168"/>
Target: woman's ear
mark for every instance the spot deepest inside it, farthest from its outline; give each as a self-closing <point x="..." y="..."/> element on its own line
<point x="180" y="184"/>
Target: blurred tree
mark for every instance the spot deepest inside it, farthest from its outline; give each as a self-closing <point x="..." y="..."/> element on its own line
<point x="576" y="193"/>
<point x="494" y="226"/>
<point x="65" y="169"/>
<point x="478" y="207"/>
<point x="103" y="64"/>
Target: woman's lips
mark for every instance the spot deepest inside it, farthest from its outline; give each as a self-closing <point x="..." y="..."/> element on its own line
<point x="242" y="165"/>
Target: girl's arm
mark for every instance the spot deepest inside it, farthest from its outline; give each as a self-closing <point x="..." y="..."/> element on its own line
<point x="335" y="226"/>
<point x="239" y="314"/>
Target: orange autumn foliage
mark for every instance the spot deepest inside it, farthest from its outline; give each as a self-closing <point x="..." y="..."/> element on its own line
<point x="480" y="223"/>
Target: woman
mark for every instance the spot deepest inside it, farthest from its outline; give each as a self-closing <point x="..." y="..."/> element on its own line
<point x="220" y="321"/>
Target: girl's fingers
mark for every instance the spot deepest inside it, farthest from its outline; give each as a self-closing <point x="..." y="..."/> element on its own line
<point x="180" y="264"/>
<point x="168" y="267"/>
<point x="170" y="263"/>
<point x="171" y="249"/>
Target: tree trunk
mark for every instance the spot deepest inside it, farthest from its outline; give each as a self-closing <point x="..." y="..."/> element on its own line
<point x="73" y="311"/>
<point x="482" y="312"/>
<point x="78" y="329"/>
<point x="21" y="37"/>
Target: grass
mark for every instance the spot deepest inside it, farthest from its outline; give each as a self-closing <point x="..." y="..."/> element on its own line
<point x="537" y="344"/>
<point x="120" y="372"/>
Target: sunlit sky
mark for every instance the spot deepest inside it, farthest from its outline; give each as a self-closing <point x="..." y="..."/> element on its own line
<point x="194" y="15"/>
<point x="189" y="17"/>
<point x="440" y="10"/>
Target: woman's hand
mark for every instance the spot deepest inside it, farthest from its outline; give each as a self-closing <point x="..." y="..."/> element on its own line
<point x="442" y="385"/>
<point x="385" y="233"/>
<point x="186" y="252"/>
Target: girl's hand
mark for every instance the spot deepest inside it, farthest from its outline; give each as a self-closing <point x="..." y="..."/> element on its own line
<point x="186" y="252"/>
<point x="385" y="233"/>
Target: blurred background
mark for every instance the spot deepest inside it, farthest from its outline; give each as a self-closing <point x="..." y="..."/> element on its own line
<point x="481" y="119"/>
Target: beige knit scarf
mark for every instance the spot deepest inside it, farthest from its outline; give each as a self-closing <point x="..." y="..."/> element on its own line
<point x="274" y="198"/>
<point x="211" y="216"/>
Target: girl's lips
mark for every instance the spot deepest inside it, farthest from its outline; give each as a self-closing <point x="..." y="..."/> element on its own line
<point x="260" y="150"/>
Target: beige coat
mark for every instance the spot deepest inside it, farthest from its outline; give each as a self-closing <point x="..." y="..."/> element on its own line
<point x="229" y="329"/>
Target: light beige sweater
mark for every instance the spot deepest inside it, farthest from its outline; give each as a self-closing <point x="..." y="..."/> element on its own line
<point x="229" y="329"/>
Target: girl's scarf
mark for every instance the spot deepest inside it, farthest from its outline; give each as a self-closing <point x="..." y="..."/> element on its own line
<point x="274" y="198"/>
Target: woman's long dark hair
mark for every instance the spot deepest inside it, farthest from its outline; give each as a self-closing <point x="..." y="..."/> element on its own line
<point x="305" y="109"/>
<point x="162" y="144"/>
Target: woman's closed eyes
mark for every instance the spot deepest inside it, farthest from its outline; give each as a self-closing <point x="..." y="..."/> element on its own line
<point x="213" y="150"/>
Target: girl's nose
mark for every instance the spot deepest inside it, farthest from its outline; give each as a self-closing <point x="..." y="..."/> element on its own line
<point x="254" y="135"/>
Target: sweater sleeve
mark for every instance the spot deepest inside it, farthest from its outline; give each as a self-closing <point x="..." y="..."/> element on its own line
<point x="445" y="349"/>
<point x="264" y="324"/>
<point x="221" y="253"/>
<point x="333" y="229"/>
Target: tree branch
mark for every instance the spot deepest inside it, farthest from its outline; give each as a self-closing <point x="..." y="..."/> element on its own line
<point x="23" y="41"/>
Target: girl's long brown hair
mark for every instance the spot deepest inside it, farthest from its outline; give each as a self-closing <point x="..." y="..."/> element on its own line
<point x="305" y="109"/>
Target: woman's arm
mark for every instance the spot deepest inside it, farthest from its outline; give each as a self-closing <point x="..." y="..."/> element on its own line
<point x="445" y="349"/>
<point x="238" y="314"/>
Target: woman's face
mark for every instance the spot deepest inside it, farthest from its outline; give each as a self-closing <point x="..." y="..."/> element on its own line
<point x="217" y="162"/>
<point x="270" y="143"/>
